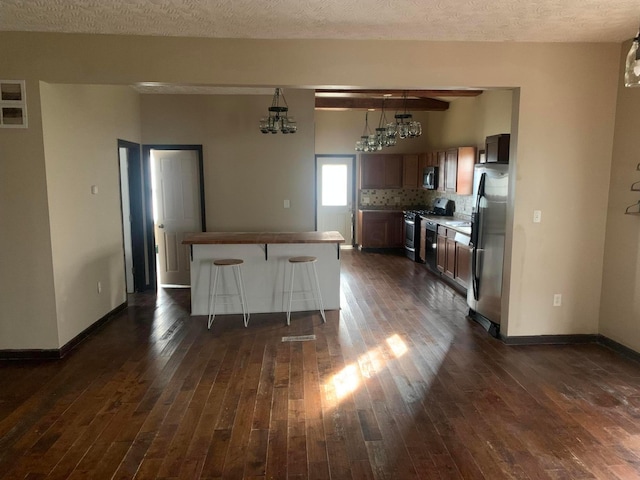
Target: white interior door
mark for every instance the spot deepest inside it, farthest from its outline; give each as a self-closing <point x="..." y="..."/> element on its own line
<point x="177" y="210"/>
<point x="335" y="195"/>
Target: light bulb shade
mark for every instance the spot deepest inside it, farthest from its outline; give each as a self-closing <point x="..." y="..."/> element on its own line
<point x="632" y="66"/>
<point x="392" y="130"/>
<point x="415" y="129"/>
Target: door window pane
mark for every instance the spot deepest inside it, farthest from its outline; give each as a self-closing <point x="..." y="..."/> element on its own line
<point x="334" y="185"/>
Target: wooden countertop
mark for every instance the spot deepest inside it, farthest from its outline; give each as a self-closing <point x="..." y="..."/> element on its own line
<point x="248" y="238"/>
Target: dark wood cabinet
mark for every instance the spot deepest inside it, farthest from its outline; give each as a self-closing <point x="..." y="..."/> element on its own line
<point x="466" y="160"/>
<point x="453" y="258"/>
<point x="451" y="170"/>
<point x="497" y="148"/>
<point x="410" y="164"/>
<point x="441" y="163"/>
<point x="381" y="229"/>
<point x="379" y="170"/>
<point x="422" y="253"/>
<point x="441" y="252"/>
<point x="463" y="264"/>
<point x="456" y="170"/>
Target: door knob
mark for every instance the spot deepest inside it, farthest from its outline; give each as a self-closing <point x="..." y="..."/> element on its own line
<point x="161" y="225"/>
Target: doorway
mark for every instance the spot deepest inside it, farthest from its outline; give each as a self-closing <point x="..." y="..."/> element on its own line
<point x="136" y="238"/>
<point x="335" y="194"/>
<point x="178" y="208"/>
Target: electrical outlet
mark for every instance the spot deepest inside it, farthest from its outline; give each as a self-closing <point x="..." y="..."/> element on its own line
<point x="557" y="300"/>
<point x="537" y="216"/>
<point x="99" y="287"/>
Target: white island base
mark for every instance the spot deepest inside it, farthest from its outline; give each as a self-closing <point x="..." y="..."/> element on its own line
<point x="266" y="273"/>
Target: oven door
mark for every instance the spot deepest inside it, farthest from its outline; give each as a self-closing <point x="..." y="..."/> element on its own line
<point x="410" y="230"/>
<point x="430" y="245"/>
<point x="409" y="234"/>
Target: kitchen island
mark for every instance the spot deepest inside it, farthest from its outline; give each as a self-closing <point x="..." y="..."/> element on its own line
<point x="266" y="268"/>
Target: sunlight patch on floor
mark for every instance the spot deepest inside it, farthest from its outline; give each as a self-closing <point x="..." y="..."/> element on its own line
<point x="347" y="380"/>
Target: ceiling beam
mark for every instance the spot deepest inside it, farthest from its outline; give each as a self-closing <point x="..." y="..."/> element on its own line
<point x="412" y="104"/>
<point x="396" y="93"/>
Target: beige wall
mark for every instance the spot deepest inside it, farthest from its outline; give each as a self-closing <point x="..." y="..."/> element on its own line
<point x="469" y="120"/>
<point x="28" y="312"/>
<point x="247" y="174"/>
<point x="563" y="152"/>
<point x="620" y="308"/>
<point x="81" y="126"/>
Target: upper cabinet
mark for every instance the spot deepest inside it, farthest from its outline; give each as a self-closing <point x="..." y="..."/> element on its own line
<point x="458" y="170"/>
<point x="380" y="170"/>
<point x="410" y="167"/>
<point x="441" y="163"/>
<point x="497" y="148"/>
<point x="451" y="170"/>
<point x="464" y="173"/>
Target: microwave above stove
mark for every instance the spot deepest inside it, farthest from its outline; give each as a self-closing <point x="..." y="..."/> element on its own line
<point x="430" y="178"/>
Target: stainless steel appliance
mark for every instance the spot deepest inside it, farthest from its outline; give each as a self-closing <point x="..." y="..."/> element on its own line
<point x="431" y="241"/>
<point x="412" y="234"/>
<point x="430" y="178"/>
<point x="488" y="227"/>
<point x="412" y="225"/>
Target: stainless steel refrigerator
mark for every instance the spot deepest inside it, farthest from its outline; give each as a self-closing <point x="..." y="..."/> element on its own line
<point x="488" y="227"/>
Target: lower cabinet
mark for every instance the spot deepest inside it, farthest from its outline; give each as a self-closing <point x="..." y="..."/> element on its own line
<point x="381" y="229"/>
<point x="463" y="264"/>
<point x="453" y="258"/>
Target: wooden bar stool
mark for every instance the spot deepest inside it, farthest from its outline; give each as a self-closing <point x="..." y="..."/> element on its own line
<point x="314" y="290"/>
<point x="216" y="266"/>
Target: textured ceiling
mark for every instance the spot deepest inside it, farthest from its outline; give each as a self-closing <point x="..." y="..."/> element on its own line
<point x="471" y="20"/>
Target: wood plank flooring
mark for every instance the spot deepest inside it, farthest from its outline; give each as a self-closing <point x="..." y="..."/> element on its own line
<point x="396" y="385"/>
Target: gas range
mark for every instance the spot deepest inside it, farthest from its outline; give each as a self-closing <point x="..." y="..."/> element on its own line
<point x="441" y="207"/>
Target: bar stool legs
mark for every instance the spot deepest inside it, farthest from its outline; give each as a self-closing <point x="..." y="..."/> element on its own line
<point x="310" y="262"/>
<point x="216" y="266"/>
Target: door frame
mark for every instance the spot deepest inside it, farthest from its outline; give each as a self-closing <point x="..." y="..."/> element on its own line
<point x="148" y="194"/>
<point x="319" y="156"/>
<point x="136" y="209"/>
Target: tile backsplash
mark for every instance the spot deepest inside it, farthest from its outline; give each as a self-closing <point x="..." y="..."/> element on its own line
<point x="384" y="197"/>
<point x="399" y="197"/>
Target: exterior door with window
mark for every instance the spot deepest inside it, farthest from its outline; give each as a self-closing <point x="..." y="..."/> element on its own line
<point x="335" y="200"/>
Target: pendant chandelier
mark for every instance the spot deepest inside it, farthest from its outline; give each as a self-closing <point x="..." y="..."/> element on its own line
<point x="384" y="138"/>
<point x="278" y="120"/>
<point x="368" y="141"/>
<point x="632" y="66"/>
<point x="405" y="126"/>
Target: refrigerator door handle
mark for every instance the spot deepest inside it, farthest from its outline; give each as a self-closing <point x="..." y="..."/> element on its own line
<point x="475" y="278"/>
<point x="475" y="237"/>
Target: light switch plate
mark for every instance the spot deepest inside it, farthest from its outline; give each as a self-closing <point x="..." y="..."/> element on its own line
<point x="287" y="204"/>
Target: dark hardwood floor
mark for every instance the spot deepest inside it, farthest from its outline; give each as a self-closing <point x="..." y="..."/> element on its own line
<point x="396" y="385"/>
